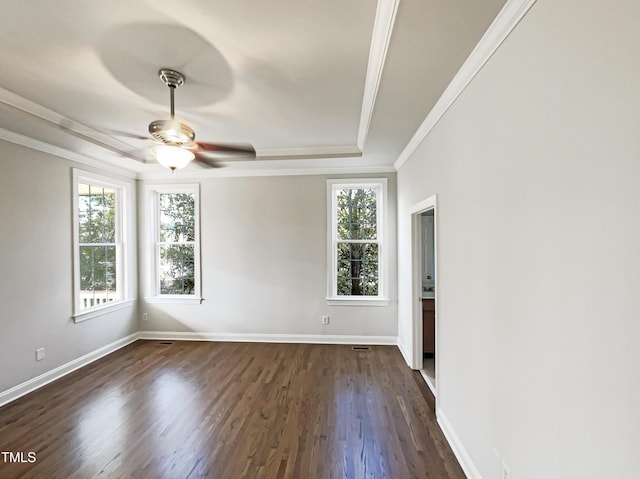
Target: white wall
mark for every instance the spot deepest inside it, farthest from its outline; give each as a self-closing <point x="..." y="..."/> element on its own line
<point x="264" y="264"/>
<point x="537" y="171"/>
<point x="264" y="267"/>
<point x="36" y="281"/>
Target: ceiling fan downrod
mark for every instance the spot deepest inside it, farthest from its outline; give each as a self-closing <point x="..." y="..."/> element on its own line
<point x="173" y="80"/>
<point x="170" y="131"/>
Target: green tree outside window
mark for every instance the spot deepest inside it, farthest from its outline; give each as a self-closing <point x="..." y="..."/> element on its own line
<point x="177" y="243"/>
<point x="357" y="242"/>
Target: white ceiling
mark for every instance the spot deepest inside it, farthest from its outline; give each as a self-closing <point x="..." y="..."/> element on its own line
<point x="333" y="84"/>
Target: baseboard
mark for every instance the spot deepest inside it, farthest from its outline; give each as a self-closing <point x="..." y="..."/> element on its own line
<point x="39" y="381"/>
<point x="467" y="465"/>
<point x="430" y="383"/>
<point x="405" y="353"/>
<point x="268" y="338"/>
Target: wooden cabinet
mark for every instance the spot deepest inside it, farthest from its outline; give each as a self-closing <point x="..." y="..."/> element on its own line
<point x="429" y="326"/>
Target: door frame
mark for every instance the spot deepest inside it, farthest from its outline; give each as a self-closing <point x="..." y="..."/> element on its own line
<point x="415" y="213"/>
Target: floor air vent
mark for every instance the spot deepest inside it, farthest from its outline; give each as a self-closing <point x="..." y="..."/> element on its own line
<point x="360" y="348"/>
<point x="165" y="343"/>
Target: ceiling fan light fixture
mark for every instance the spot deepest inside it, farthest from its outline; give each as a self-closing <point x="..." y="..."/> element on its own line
<point x="172" y="157"/>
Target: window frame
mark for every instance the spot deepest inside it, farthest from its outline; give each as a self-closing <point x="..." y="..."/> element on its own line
<point x="380" y="185"/>
<point x="124" y="242"/>
<point x="153" y="281"/>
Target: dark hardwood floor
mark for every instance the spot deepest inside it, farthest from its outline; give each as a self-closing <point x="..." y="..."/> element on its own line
<point x="230" y="410"/>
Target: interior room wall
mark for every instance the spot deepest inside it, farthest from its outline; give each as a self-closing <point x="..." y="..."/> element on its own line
<point x="36" y="282"/>
<point x="536" y="169"/>
<point x="264" y="264"/>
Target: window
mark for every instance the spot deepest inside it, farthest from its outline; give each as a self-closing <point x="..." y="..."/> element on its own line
<point x="356" y="241"/>
<point x="175" y="237"/>
<point x="99" y="246"/>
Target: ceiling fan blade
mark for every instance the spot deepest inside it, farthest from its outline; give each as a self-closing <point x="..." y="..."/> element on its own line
<point x="126" y="134"/>
<point x="243" y="149"/>
<point x="205" y="162"/>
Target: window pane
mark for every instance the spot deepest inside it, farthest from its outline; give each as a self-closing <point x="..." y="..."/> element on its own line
<point x="356" y="213"/>
<point x="97" y="275"/>
<point x="86" y="268"/>
<point x="177" y="217"/>
<point x="96" y="214"/>
<point x="177" y="269"/>
<point x="110" y="271"/>
<point x="357" y="273"/>
<point x="84" y="219"/>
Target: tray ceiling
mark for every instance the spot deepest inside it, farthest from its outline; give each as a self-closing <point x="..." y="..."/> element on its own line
<point x="329" y="84"/>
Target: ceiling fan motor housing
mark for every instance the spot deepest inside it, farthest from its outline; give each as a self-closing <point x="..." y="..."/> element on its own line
<point x="172" y="132"/>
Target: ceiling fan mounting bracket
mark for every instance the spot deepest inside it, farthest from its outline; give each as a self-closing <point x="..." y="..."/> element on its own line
<point x="171" y="78"/>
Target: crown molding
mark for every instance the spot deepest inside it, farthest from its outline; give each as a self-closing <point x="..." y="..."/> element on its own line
<point x="500" y="28"/>
<point x="44" y="147"/>
<point x="66" y="125"/>
<point x="380" y="38"/>
<point x="308" y="152"/>
<point x="191" y="175"/>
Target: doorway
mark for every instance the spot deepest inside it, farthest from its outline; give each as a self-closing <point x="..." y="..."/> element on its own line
<point x="428" y="297"/>
<point x="424" y="268"/>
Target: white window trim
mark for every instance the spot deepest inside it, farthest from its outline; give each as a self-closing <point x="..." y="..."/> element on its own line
<point x="153" y="281"/>
<point x="125" y="228"/>
<point x="382" y="299"/>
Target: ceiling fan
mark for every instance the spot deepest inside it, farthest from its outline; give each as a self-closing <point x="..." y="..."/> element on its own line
<point x="177" y="146"/>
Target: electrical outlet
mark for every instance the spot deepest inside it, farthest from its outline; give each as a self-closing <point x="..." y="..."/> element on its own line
<point x="325" y="320"/>
<point x="40" y="354"/>
<point x="144" y="316"/>
<point x="505" y="472"/>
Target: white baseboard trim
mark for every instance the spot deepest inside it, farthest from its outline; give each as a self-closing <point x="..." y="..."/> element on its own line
<point x="268" y="338"/>
<point x="32" y="384"/>
<point x="405" y="353"/>
<point x="469" y="468"/>
<point x="430" y="382"/>
<point x="39" y="381"/>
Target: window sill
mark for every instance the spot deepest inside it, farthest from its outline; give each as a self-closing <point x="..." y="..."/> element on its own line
<point x="355" y="301"/>
<point x="177" y="299"/>
<point x="102" y="310"/>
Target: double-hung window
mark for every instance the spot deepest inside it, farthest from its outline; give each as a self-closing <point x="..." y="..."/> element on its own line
<point x="357" y="249"/>
<point x="175" y="242"/>
<point x="100" y="233"/>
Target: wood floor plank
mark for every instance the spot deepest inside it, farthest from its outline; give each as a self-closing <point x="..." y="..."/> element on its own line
<point x="201" y="410"/>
